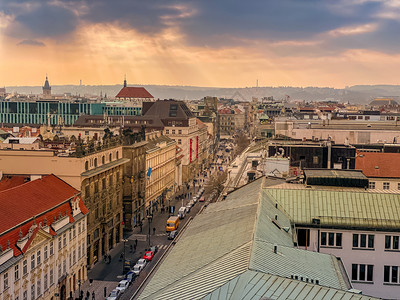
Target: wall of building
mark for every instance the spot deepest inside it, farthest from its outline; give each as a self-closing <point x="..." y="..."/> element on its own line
<point x="376" y="255"/>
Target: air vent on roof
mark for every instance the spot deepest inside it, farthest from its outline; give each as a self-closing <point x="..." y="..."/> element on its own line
<point x="316" y="221"/>
<point x="376" y="167"/>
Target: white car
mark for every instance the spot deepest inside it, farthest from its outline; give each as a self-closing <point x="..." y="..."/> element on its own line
<point x="137" y="269"/>
<point x="114" y="295"/>
<point x="122" y="285"/>
<point x="195" y="199"/>
<point x="141" y="262"/>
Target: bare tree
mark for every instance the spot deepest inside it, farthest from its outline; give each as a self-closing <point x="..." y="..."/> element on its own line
<point x="216" y="183"/>
<point x="241" y="141"/>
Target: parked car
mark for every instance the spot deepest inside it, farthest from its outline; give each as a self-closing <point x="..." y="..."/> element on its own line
<point x="202" y="199"/>
<point x="141" y="263"/>
<point x="130" y="276"/>
<point x="122" y="285"/>
<point x="188" y="207"/>
<point x="182" y="212"/>
<point x="172" y="234"/>
<point x="195" y="199"/>
<point x="114" y="295"/>
<point x="148" y="255"/>
<point x="154" y="249"/>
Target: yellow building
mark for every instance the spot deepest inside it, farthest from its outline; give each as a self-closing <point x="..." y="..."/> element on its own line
<point x="160" y="160"/>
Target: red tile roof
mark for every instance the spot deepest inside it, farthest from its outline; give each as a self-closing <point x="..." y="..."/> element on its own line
<point x="34" y="202"/>
<point x="378" y="164"/>
<point x="133" y="92"/>
<point x="200" y="123"/>
<point x="8" y="182"/>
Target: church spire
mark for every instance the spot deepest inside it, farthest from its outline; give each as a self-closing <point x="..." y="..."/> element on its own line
<point x="125" y="81"/>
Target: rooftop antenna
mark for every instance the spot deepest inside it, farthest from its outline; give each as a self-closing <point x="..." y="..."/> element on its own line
<point x="257" y="83"/>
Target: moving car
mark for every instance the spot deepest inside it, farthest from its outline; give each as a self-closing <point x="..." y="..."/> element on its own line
<point x="172" y="234"/>
<point x="182" y="212"/>
<point x="202" y="199"/>
<point x="148" y="255"/>
<point x="172" y="223"/>
<point x="114" y="295"/>
<point x="122" y="285"/>
<point x="154" y="249"/>
<point x="130" y="276"/>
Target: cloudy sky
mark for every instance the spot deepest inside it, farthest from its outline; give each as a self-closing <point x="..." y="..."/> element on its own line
<point x="226" y="43"/>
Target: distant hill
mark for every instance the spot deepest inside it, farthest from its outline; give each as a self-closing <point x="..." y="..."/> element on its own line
<point x="355" y="94"/>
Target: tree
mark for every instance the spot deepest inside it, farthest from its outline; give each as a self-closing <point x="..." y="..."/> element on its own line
<point x="216" y="184"/>
<point x="241" y="141"/>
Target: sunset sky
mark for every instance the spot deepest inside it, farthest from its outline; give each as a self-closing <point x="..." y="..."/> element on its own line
<point x="225" y="43"/>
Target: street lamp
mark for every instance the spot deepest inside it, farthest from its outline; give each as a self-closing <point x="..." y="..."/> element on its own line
<point x="79" y="288"/>
<point x="149" y="218"/>
<point x="123" y="260"/>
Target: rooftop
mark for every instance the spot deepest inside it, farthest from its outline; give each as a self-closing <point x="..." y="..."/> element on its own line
<point x="335" y="177"/>
<point x="378" y="164"/>
<point x="133" y="92"/>
<point x="233" y="242"/>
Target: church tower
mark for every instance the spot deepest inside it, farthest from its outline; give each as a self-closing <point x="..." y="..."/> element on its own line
<point x="125" y="81"/>
<point x="46" y="88"/>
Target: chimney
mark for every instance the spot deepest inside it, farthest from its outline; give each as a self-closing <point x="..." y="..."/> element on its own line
<point x="275" y="249"/>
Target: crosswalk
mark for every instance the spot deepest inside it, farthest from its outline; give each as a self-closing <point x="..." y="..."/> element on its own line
<point x="161" y="247"/>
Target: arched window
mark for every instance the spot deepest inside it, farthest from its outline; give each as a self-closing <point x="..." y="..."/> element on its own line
<point x="103" y="160"/>
<point x="95" y="162"/>
<point x="110" y="157"/>
<point x="86" y="165"/>
<point x="117" y="154"/>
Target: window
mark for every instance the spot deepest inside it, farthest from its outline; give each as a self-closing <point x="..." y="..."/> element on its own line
<point x="117" y="155"/>
<point x="25" y="267"/>
<point x="51" y="276"/>
<point x="39" y="286"/>
<point x="33" y="292"/>
<point x="5" y="281"/>
<point x="51" y="249"/>
<point x="361" y="272"/>
<point x="179" y="142"/>
<point x="386" y="185"/>
<point x="392" y="242"/>
<point x="74" y="231"/>
<point x="315" y="160"/>
<point x="74" y="256"/>
<point x="95" y="162"/>
<point x="391" y="274"/>
<point x="45" y="282"/>
<point x="59" y="270"/>
<point x="64" y="239"/>
<point x="38" y="257"/>
<point x="372" y="185"/>
<point x="64" y="266"/>
<point x="79" y="227"/>
<point x="16" y="272"/>
<point x="331" y="239"/>
<point x="103" y="159"/>
<point x="167" y="131"/>
<point x="86" y="165"/>
<point x="25" y="295"/>
<point x="59" y="243"/>
<point x="32" y="261"/>
<point x="45" y="254"/>
<point x="70" y="235"/>
<point x="363" y="241"/>
<point x="303" y="237"/>
<point x="180" y="131"/>
<point x="173" y="131"/>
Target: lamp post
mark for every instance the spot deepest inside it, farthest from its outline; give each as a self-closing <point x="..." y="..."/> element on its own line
<point x="149" y="218"/>
<point x="79" y="289"/>
<point x="123" y="259"/>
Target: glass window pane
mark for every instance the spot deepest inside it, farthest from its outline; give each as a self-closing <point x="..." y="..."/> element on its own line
<point x="331" y="240"/>
<point x="396" y="242"/>
<point x="362" y="272"/>
<point x="354" y="268"/>
<point x="370" y="273"/>
<point x="394" y="274"/>
<point x="323" y="238"/>
<point x="363" y="240"/>
<point x="387" y="241"/>
<point x="371" y="241"/>
<point x="386" y="273"/>
<point x="339" y="239"/>
<point x="355" y="240"/>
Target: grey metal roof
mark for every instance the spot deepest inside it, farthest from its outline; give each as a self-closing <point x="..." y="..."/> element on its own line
<point x="230" y="238"/>
<point x="253" y="285"/>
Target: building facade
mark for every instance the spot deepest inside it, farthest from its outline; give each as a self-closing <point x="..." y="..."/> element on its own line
<point x="43" y="248"/>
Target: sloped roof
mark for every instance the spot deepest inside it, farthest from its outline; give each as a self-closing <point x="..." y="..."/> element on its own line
<point x="256" y="285"/>
<point x="22" y="202"/>
<point x="167" y="109"/>
<point x="378" y="164"/>
<point x="8" y="182"/>
<point x="133" y="92"/>
<point x="230" y="238"/>
<point x="360" y="209"/>
<point x="35" y="202"/>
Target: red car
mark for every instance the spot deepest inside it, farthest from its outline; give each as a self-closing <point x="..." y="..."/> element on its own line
<point x="148" y="255"/>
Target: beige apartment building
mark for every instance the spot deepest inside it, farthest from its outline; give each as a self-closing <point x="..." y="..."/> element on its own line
<point x="97" y="174"/>
<point x="160" y="159"/>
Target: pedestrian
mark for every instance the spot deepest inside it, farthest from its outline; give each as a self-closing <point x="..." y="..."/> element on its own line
<point x="93" y="295"/>
<point x="87" y="294"/>
<point x="141" y="228"/>
<point x="154" y="230"/>
<point x="135" y="242"/>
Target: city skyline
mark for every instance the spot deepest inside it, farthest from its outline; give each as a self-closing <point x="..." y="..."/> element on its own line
<point x="224" y="44"/>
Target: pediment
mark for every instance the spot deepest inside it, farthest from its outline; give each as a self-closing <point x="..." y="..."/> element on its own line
<point x="39" y="238"/>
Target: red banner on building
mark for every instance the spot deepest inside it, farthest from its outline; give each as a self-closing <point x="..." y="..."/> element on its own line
<point x="197" y="147"/>
<point x="190" y="151"/>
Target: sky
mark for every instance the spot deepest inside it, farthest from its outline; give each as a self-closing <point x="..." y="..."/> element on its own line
<point x="219" y="43"/>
